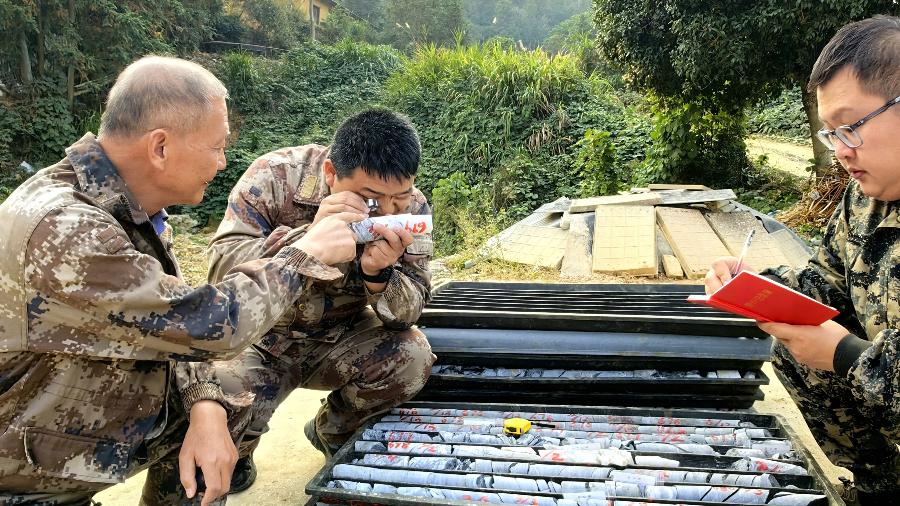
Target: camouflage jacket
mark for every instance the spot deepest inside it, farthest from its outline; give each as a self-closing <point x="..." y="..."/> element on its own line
<point x="273" y="204"/>
<point x="94" y="318"/>
<point x="856" y="270"/>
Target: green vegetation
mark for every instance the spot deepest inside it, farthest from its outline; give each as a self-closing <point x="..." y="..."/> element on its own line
<point x="722" y="56"/>
<point x="769" y="190"/>
<point x="529" y="21"/>
<point x="782" y="116"/>
<point x="504" y="129"/>
<point x="511" y="145"/>
<point x="297" y="99"/>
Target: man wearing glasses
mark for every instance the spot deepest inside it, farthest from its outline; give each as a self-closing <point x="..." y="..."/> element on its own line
<point x="844" y="374"/>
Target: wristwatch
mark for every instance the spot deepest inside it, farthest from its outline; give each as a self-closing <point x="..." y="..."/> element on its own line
<point x="382" y="277"/>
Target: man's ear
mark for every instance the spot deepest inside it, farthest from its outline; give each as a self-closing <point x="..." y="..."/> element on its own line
<point x="330" y="172"/>
<point x="158" y="148"/>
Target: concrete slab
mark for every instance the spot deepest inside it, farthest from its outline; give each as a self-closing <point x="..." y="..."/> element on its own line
<point x="557" y="206"/>
<point x="672" y="267"/>
<point x="577" y="260"/>
<point x="700" y="187"/>
<point x="589" y="204"/>
<point x="662" y="244"/>
<point x="692" y="239"/>
<point x="625" y="240"/>
<point x="732" y="229"/>
<point x="531" y="245"/>
<point x="797" y="254"/>
<point x="680" y="197"/>
<point x="565" y="221"/>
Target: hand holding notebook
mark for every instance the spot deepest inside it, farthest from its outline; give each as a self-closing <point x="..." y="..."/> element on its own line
<point x="759" y="298"/>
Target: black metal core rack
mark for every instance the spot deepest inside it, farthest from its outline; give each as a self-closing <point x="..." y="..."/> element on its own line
<point x="621" y="345"/>
<point x="569" y="358"/>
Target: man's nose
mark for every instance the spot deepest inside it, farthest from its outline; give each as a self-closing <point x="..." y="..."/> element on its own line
<point x="386" y="205"/>
<point x="842" y="151"/>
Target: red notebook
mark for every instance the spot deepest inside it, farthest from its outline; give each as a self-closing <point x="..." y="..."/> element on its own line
<point x="762" y="299"/>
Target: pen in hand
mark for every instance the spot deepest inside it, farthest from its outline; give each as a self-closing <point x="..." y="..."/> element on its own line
<point x="740" y="263"/>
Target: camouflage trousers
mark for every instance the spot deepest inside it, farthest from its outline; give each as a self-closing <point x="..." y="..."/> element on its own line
<point x="368" y="369"/>
<point x="851" y="433"/>
<point x="158" y="455"/>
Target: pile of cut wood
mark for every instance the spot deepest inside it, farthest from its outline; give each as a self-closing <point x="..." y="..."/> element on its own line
<point x="677" y="230"/>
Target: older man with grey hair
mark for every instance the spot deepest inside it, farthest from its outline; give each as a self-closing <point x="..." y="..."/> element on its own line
<point x="103" y="347"/>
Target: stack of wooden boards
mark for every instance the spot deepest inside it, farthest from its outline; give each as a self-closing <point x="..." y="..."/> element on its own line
<point x="677" y="230"/>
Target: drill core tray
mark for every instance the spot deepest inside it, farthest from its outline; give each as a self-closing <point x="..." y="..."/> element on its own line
<point x="646" y="308"/>
<point x="453" y="453"/>
<point x="621" y="345"/>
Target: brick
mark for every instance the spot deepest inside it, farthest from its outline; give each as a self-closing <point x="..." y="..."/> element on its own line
<point x="625" y="240"/>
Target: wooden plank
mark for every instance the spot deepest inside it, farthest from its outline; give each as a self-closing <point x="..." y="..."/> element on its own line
<point x="796" y="254"/>
<point x="700" y="187"/>
<point x="589" y="204"/>
<point x="625" y="240"/>
<point x="692" y="239"/>
<point x="676" y="197"/>
<point x="531" y="245"/>
<point x="672" y="267"/>
<point x="732" y="229"/>
<point x="577" y="261"/>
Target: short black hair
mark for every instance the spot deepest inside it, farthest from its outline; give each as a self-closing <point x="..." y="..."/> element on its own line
<point x="382" y="143"/>
<point x="871" y="48"/>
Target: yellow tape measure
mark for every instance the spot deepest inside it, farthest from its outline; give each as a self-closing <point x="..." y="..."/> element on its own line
<point x="519" y="426"/>
<point x="516" y="426"/>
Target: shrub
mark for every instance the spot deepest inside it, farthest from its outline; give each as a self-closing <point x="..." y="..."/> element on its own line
<point x="767" y="189"/>
<point x="781" y="116"/>
<point x="503" y="119"/>
<point x="693" y="144"/>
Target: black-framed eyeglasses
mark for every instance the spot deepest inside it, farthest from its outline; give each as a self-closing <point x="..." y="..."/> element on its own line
<point x="848" y="133"/>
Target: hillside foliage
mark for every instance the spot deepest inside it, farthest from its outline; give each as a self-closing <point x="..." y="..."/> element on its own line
<point x="503" y="129"/>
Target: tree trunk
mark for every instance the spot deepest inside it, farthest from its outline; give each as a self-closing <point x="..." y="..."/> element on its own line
<point x="41" y="38"/>
<point x="24" y="60"/>
<point x="821" y="154"/>
<point x="70" y="78"/>
<point x="312" y="22"/>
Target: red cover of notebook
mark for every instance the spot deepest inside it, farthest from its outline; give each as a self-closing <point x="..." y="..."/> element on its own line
<point x="762" y="299"/>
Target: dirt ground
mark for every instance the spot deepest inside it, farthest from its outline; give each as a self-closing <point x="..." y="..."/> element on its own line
<point x="787" y="156"/>
<point x="286" y="461"/>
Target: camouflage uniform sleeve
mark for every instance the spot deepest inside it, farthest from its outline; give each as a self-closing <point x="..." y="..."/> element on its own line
<point x="246" y="232"/>
<point x="875" y="375"/>
<point x="87" y="278"/>
<point x="197" y="381"/>
<point x="824" y="277"/>
<point x="409" y="288"/>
